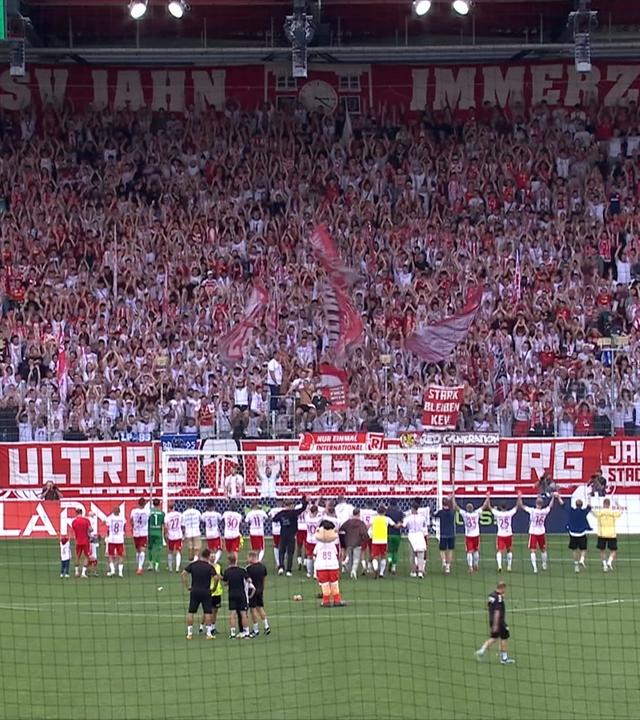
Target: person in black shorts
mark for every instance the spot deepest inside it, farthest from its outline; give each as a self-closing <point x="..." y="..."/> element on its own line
<point x="201" y="572"/>
<point x="447" y="517"/>
<point x="257" y="573"/>
<point x="240" y="588"/>
<point x="497" y="625"/>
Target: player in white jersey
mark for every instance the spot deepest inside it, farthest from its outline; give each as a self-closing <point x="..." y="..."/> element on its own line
<point x="417" y="532"/>
<point x="191" y="519"/>
<point x="115" y="542"/>
<point x="211" y="519"/>
<point x="232" y="520"/>
<point x="504" y="539"/>
<point x="471" y="518"/>
<point x="366" y="515"/>
<point x="255" y="519"/>
<point x="140" y="530"/>
<point x="312" y="519"/>
<point x="173" y="536"/>
<point x="275" y="532"/>
<point x="537" y="530"/>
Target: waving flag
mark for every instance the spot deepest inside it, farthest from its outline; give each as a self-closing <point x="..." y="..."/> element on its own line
<point x="500" y="378"/>
<point x="233" y="344"/>
<point x="434" y="343"/>
<point x="345" y="327"/>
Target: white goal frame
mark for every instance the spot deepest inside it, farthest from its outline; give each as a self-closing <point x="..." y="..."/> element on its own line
<point x="435" y="451"/>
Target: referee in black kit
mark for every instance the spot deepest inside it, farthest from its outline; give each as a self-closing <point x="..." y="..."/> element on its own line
<point x="201" y="572"/>
<point x="497" y="625"/>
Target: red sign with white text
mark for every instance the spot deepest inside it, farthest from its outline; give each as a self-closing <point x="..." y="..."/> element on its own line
<point x="34" y="519"/>
<point x="462" y="88"/>
<point x="101" y="468"/>
<point x="328" y="464"/>
<point x="441" y="407"/>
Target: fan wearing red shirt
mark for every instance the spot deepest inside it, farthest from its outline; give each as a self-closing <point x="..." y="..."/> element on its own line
<point x="584" y="420"/>
<point x="81" y="530"/>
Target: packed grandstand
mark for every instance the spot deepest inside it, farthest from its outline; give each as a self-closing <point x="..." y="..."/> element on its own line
<point x="131" y="242"/>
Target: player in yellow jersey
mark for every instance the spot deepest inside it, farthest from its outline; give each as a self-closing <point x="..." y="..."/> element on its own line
<point x="607" y="535"/>
<point x="216" y="598"/>
<point x="379" y="533"/>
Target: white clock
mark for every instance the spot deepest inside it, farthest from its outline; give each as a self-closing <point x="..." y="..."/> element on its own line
<point x="318" y="95"/>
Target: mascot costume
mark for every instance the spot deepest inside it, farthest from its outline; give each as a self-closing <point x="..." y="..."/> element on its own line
<point x="327" y="564"/>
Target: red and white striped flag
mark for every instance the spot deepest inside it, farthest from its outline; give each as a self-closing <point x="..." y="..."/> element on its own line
<point x="62" y="371"/>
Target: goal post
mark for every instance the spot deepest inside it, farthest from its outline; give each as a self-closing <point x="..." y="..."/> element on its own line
<point x="271" y="472"/>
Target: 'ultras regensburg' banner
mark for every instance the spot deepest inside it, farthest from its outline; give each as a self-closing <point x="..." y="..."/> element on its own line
<point x="441" y="407"/>
<point x="327" y="464"/>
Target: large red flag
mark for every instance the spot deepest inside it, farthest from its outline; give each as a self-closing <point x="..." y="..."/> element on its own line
<point x="434" y="343"/>
<point x="232" y="345"/>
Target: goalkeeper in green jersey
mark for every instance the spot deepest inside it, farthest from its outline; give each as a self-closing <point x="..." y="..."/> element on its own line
<point x="156" y="530"/>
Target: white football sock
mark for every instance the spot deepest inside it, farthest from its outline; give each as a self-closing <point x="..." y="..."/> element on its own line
<point x="170" y="561"/>
<point x="509" y="560"/>
<point x="383" y="566"/>
<point x="476" y="558"/>
<point x="470" y="559"/>
<point x="120" y="569"/>
<point x="178" y="560"/>
<point x="189" y="629"/>
<point x="543" y="556"/>
<point x="112" y="567"/>
<point x="374" y="562"/>
<point x="534" y="561"/>
<point x="217" y="556"/>
<point x="309" y="566"/>
<point x="499" y="560"/>
<point x="141" y="561"/>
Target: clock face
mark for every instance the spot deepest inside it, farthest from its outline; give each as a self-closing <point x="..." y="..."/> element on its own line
<point x="319" y="96"/>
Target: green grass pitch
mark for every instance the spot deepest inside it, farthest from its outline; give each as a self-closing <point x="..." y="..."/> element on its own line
<point x="115" y="648"/>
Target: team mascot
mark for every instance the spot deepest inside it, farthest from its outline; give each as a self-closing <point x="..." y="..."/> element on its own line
<point x="327" y="564"/>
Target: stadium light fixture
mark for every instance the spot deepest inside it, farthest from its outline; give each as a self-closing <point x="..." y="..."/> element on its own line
<point x="462" y="7"/>
<point x="177" y="8"/>
<point x="421" y="7"/>
<point x="137" y="8"/>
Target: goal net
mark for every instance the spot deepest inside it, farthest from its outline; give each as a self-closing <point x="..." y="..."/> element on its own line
<point x="269" y="473"/>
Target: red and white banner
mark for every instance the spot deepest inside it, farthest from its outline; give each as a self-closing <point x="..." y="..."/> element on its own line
<point x="41" y="519"/>
<point x="78" y="468"/>
<point x="434" y="343"/>
<point x="334" y="384"/>
<point x="330" y="463"/>
<point x="232" y="344"/>
<point x="441" y="407"/>
<point x="463" y="88"/>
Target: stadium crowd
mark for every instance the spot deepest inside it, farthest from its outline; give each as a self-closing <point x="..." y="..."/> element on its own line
<point x="133" y="238"/>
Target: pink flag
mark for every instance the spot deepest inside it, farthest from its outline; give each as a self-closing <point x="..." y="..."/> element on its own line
<point x="232" y="345"/>
<point x="434" y="343"/>
<point x="327" y="255"/>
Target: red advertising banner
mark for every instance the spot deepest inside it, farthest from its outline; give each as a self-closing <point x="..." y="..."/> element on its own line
<point x="33" y="519"/>
<point x="441" y="407"/>
<point x="463" y="88"/>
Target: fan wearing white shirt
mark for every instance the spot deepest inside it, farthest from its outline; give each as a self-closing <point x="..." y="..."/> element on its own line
<point x="191" y="519"/>
<point x="268" y="480"/>
<point x="418" y="529"/>
<point x="234" y="484"/>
